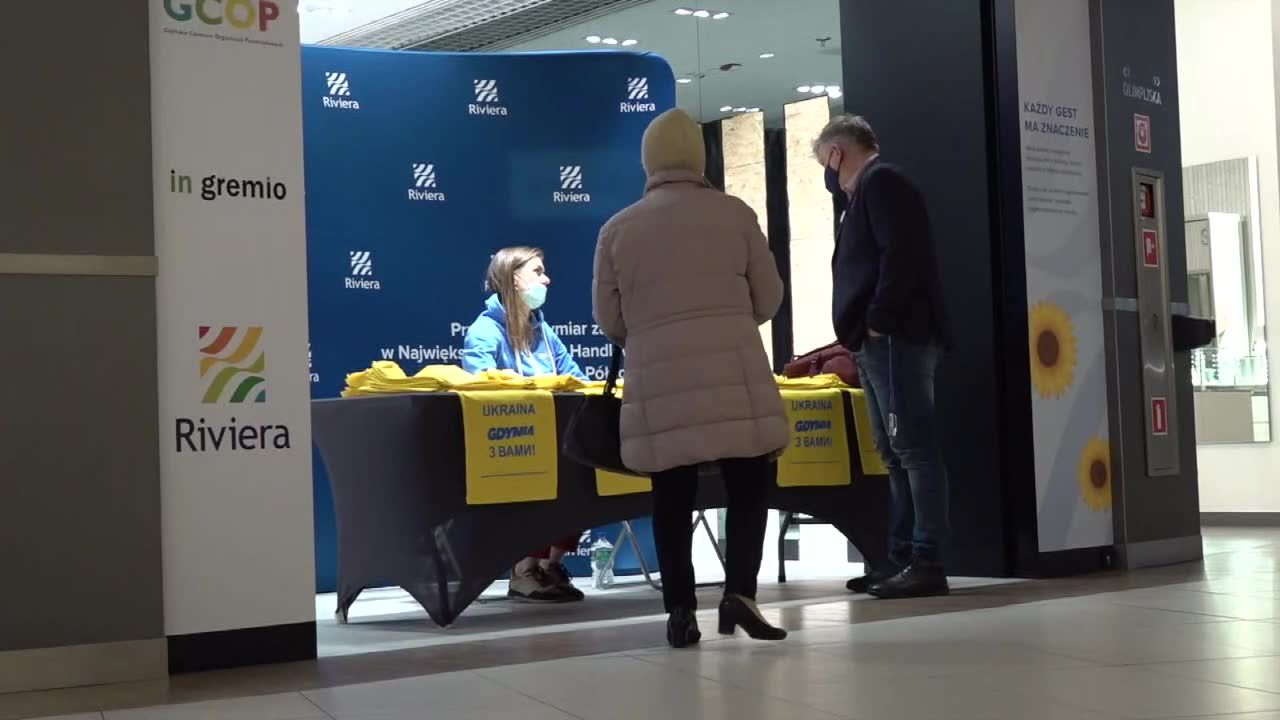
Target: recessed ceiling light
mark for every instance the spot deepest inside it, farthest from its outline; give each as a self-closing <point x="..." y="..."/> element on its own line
<point x="629" y="42"/>
<point x="610" y="41"/>
<point x="702" y="13"/>
<point x="684" y="81"/>
<point x="726" y="108"/>
<point x="766" y="56"/>
<point x="720" y="16"/>
<point x="835" y="94"/>
<point x="816" y="89"/>
<point x="833" y="88"/>
<point x="804" y="88"/>
<point x="755" y="109"/>
<point x="593" y="39"/>
<point x="741" y="109"/>
<point x="683" y="11"/>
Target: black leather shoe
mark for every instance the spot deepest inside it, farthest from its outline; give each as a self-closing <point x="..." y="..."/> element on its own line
<point x="862" y="584"/>
<point x="739" y="612"/>
<point x="914" y="582"/>
<point x="682" y="629"/>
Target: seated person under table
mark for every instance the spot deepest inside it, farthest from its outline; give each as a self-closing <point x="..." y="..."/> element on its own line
<point x="512" y="334"/>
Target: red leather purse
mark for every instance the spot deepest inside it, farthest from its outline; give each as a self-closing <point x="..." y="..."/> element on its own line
<point x="833" y="359"/>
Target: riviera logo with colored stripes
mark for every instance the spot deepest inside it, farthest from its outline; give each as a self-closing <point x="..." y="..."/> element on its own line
<point x="232" y="362"/>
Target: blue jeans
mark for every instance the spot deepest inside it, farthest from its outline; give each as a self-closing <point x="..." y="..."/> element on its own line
<point x="898" y="378"/>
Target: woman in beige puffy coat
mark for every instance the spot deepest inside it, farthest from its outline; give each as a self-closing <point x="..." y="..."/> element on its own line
<point x="683" y="280"/>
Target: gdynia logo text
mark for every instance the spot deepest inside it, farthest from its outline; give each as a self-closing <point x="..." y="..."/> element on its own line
<point x="425" y="185"/>
<point x="215" y="187"/>
<point x="361" y="277"/>
<point x="571" y="185"/>
<point x="232" y="365"/>
<point x="638" y="97"/>
<point x="339" y="92"/>
<point x="488" y="101"/>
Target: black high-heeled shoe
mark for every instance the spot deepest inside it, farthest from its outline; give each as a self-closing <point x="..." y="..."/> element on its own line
<point x="739" y="612"/>
<point x="682" y="629"/>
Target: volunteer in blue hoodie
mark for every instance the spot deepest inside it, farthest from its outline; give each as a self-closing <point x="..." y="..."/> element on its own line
<point x="511" y="334"/>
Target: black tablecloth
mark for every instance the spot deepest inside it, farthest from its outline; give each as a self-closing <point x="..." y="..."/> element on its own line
<point x="397" y="467"/>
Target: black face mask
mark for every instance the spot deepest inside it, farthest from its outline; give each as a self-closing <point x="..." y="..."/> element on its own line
<point x="832" y="177"/>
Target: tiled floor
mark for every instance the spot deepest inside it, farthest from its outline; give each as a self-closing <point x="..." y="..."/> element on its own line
<point x="1192" y="641"/>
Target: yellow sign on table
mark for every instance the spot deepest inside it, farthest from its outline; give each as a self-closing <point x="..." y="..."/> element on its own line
<point x="872" y="463"/>
<point x="511" y="449"/>
<point x="818" y="455"/>
<point x="612" y="484"/>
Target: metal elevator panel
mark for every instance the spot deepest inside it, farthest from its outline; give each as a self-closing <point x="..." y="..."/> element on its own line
<point x="1150" y="232"/>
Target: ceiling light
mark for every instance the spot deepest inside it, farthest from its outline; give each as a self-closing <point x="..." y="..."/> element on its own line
<point x="683" y="11"/>
<point x="720" y="16"/>
<point x="816" y="89"/>
<point x="833" y="88"/>
<point x="702" y="14"/>
<point x="726" y="108"/>
<point x="684" y="81"/>
<point x="835" y="94"/>
<point x="629" y="42"/>
<point x="610" y="41"/>
<point x="755" y="109"/>
<point x="766" y="56"/>
<point x="593" y="39"/>
<point x="804" y="88"/>
<point x="741" y="110"/>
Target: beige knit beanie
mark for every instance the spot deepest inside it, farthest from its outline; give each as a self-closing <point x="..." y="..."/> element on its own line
<point x="673" y="141"/>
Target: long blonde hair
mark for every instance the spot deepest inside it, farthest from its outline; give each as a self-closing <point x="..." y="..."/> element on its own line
<point x="501" y="279"/>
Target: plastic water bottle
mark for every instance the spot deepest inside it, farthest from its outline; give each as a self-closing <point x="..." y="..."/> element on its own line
<point x="602" y="572"/>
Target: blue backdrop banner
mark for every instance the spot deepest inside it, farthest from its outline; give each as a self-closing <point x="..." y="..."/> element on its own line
<point x="419" y="166"/>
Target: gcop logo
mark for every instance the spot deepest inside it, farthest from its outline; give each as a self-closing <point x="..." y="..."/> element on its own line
<point x="239" y="14"/>
<point x="425" y="185"/>
<point x="488" y="99"/>
<point x="338" y="92"/>
<point x="571" y="186"/>
<point x="361" y="277"/>
<point x="638" y="97"/>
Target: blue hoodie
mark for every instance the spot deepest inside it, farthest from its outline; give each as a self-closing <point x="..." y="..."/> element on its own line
<point x="488" y="347"/>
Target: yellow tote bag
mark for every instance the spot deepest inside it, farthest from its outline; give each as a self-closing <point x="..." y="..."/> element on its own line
<point x="612" y="484"/>
<point x="511" y="446"/>
<point x="818" y="454"/>
<point x="872" y="463"/>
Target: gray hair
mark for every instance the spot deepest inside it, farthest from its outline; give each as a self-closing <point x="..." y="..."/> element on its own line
<point x="853" y="129"/>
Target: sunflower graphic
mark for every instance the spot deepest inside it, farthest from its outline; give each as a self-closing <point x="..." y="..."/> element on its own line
<point x="1095" y="475"/>
<point x="1053" y="350"/>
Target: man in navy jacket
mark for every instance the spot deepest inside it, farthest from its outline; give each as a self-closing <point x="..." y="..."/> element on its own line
<point x="887" y="309"/>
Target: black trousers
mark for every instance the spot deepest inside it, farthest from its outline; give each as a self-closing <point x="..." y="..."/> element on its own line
<point x="675" y="493"/>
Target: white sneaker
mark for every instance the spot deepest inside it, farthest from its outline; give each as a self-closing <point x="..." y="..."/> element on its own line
<point x="535" y="586"/>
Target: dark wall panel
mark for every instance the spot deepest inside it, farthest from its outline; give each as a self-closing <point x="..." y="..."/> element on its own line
<point x="917" y="71"/>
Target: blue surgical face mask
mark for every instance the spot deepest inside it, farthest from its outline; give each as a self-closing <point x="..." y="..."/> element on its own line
<point x="832" y="177"/>
<point x="535" y="296"/>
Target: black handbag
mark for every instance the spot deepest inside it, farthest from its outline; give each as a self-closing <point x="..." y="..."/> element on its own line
<point x="592" y="437"/>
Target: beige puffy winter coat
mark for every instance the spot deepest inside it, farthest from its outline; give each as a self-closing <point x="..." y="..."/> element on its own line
<point x="683" y="280"/>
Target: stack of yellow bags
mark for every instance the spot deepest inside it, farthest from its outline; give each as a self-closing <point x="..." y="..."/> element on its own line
<point x="387" y="377"/>
<point x="817" y="382"/>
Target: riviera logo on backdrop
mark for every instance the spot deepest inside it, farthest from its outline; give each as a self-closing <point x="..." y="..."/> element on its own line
<point x="571" y="186"/>
<point x="638" y="97"/>
<point x="207" y="18"/>
<point x="425" y="185"/>
<point x="232" y="367"/>
<point x="361" y="277"/>
<point x="338" y="95"/>
<point x="488" y="100"/>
